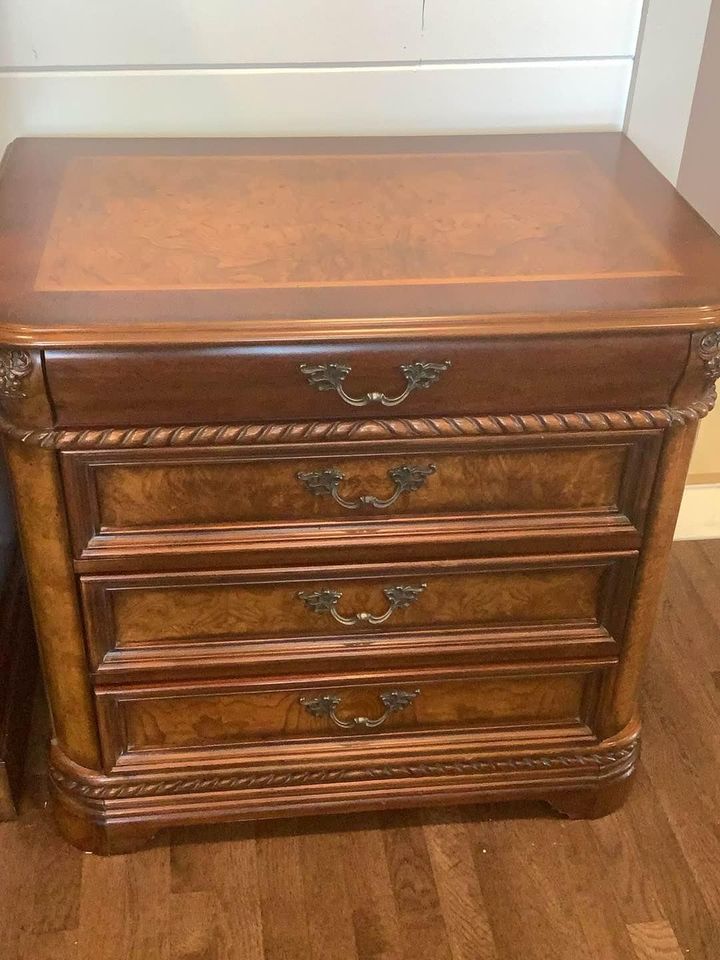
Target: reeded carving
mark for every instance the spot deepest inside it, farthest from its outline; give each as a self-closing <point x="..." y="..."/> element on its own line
<point x="599" y="760"/>
<point x="15" y="366"/>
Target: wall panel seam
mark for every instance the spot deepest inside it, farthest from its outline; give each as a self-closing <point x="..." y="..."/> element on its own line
<point x="380" y="66"/>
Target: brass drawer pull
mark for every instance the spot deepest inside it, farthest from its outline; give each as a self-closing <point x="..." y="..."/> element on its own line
<point x="330" y="376"/>
<point x="326" y="601"/>
<point x="327" y="482"/>
<point x="393" y="701"/>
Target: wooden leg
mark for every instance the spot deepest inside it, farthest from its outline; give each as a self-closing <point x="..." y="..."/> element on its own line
<point x="591" y="803"/>
<point x="105" y="839"/>
<point x="124" y="839"/>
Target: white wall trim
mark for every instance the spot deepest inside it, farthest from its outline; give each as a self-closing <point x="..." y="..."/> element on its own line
<point x="469" y="98"/>
<point x="667" y="65"/>
<point x="700" y="513"/>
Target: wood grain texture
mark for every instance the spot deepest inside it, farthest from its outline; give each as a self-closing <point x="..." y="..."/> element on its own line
<point x="43" y="534"/>
<point x="18" y="671"/>
<point x="482" y="883"/>
<point x="654" y="940"/>
<point x="195" y="609"/>
<point x="159" y="223"/>
<point x="670" y="258"/>
<point x="142" y="494"/>
<point x="503" y="293"/>
<point x="170" y="719"/>
<point x="262" y="384"/>
<point x="148" y="507"/>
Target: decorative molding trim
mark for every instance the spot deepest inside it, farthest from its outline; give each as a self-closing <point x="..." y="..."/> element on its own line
<point x="249" y="434"/>
<point x="15" y="366"/>
<point x="173" y="786"/>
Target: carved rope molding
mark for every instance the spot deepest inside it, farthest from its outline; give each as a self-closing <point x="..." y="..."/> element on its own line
<point x="248" y="434"/>
<point x="15" y="365"/>
<point x="225" y="782"/>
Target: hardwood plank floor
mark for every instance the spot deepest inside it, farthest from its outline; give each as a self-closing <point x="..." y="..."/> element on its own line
<point x="511" y="882"/>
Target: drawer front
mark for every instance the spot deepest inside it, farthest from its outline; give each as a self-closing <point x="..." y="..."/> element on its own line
<point x="244" y="621"/>
<point x="522" y="374"/>
<point x="140" y="723"/>
<point x="143" y="498"/>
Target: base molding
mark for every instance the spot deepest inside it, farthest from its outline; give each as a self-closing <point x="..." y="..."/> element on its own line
<point x="120" y="812"/>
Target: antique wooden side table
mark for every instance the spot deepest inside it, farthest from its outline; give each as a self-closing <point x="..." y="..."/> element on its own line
<point x="346" y="470"/>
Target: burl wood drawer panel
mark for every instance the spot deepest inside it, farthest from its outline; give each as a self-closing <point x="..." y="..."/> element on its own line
<point x="242" y="621"/>
<point x="144" y="499"/>
<point x="416" y="378"/>
<point x="142" y="722"/>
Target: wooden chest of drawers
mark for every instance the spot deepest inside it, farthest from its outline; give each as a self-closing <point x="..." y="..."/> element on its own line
<point x="346" y="470"/>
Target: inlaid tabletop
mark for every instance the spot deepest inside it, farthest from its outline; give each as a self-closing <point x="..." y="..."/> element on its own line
<point x="169" y="223"/>
<point x="134" y="240"/>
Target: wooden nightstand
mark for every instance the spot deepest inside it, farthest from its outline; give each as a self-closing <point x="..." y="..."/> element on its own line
<point x="346" y="470"/>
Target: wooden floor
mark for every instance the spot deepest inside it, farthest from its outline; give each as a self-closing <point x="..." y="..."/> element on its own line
<point x="502" y="883"/>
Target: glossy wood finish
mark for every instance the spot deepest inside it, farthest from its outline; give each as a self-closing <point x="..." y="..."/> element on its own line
<point x="18" y="675"/>
<point x="145" y="724"/>
<point x="634" y="210"/>
<point x="58" y="624"/>
<point x="240" y="621"/>
<point x="460" y="883"/>
<point x="157" y="223"/>
<point x="540" y="337"/>
<point x="493" y="496"/>
<point x="161" y="495"/>
<point x="265" y="383"/>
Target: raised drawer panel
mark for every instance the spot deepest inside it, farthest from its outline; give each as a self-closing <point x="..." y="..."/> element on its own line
<point x="235" y="492"/>
<point x="139" y="499"/>
<point x="202" y="617"/>
<point x="145" y="720"/>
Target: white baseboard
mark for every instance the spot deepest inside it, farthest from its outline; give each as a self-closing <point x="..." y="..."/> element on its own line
<point x="699" y="517"/>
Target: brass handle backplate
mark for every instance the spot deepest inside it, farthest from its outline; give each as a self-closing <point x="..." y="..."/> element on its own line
<point x="327" y="483"/>
<point x="326" y="601"/>
<point x="330" y="376"/>
<point x="326" y="706"/>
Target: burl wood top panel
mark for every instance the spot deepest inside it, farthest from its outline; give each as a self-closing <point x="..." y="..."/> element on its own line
<point x="168" y="223"/>
<point x="131" y="240"/>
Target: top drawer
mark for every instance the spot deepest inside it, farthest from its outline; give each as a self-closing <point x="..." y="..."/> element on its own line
<point x="349" y="380"/>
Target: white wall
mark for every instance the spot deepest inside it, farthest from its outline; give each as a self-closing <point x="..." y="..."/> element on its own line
<point x="669" y="57"/>
<point x="313" y="66"/>
<point x="667" y="70"/>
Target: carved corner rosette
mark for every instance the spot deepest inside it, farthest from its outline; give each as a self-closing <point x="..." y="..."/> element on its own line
<point x="709" y="351"/>
<point x="24" y="406"/>
<point x="15" y="367"/>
